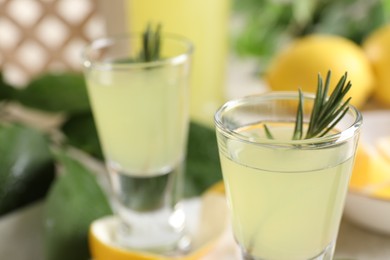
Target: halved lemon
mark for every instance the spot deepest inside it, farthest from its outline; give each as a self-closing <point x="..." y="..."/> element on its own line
<point x="209" y="215"/>
<point x="371" y="174"/>
<point x="102" y="246"/>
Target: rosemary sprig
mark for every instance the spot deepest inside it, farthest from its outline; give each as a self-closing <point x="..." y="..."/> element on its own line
<point x="330" y="110"/>
<point x="326" y="112"/>
<point x="151" y="44"/>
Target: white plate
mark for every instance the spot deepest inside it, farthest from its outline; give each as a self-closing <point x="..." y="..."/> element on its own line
<point x="365" y="210"/>
<point x="368" y="212"/>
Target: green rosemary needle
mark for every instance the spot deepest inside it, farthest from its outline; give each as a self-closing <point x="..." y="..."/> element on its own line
<point x="326" y="111"/>
<point x="298" y="130"/>
<point x="151" y="44"/>
<point x="268" y="132"/>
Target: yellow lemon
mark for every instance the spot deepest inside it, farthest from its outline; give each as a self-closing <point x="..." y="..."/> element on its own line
<point x="360" y="175"/>
<point x="372" y="170"/>
<point x="102" y="246"/>
<point x="218" y="187"/>
<point x="298" y="65"/>
<point x="383" y="146"/>
<point x="377" y="48"/>
<point x="211" y="220"/>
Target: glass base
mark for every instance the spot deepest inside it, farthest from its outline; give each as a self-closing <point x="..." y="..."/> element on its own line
<point x="326" y="254"/>
<point x="151" y="217"/>
<point x="150" y="234"/>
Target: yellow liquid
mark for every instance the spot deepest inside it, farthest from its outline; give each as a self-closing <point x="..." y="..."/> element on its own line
<point x="205" y="23"/>
<point x="141" y="117"/>
<point x="286" y="203"/>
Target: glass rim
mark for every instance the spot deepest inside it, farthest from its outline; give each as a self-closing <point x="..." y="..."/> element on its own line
<point x="328" y="140"/>
<point x="102" y="42"/>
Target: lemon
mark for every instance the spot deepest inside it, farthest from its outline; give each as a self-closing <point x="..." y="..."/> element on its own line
<point x="298" y="65"/>
<point x="371" y="170"/>
<point x="377" y="48"/>
<point x="102" y="246"/>
<point x="360" y="175"/>
<point x="218" y="187"/>
<point x="371" y="173"/>
<point x="383" y="146"/>
<point x="211" y="222"/>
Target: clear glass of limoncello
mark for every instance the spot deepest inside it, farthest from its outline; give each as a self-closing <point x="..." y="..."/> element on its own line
<point x="141" y="110"/>
<point x="286" y="196"/>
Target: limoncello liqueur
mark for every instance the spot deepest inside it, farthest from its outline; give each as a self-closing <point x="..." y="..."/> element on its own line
<point x="287" y="201"/>
<point x="141" y="118"/>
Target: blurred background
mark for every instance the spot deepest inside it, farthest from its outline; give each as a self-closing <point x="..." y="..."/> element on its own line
<point x="41" y="35"/>
<point x="230" y="35"/>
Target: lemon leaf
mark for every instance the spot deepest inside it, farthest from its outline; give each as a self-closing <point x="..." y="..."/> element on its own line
<point x="64" y="92"/>
<point x="26" y="167"/>
<point x="203" y="168"/>
<point x="74" y="201"/>
<point x="81" y="132"/>
<point x="6" y="91"/>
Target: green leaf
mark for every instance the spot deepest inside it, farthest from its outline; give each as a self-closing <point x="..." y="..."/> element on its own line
<point x="64" y="92"/>
<point x="386" y="9"/>
<point x="26" y="167"/>
<point x="203" y="167"/>
<point x="74" y="201"/>
<point x="268" y="25"/>
<point x="7" y="92"/>
<point x="353" y="19"/>
<point x="81" y="132"/>
<point x="264" y="29"/>
<point x="303" y="11"/>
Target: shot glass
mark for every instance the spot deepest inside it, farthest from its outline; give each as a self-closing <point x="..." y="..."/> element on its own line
<point x="286" y="196"/>
<point x="141" y="110"/>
